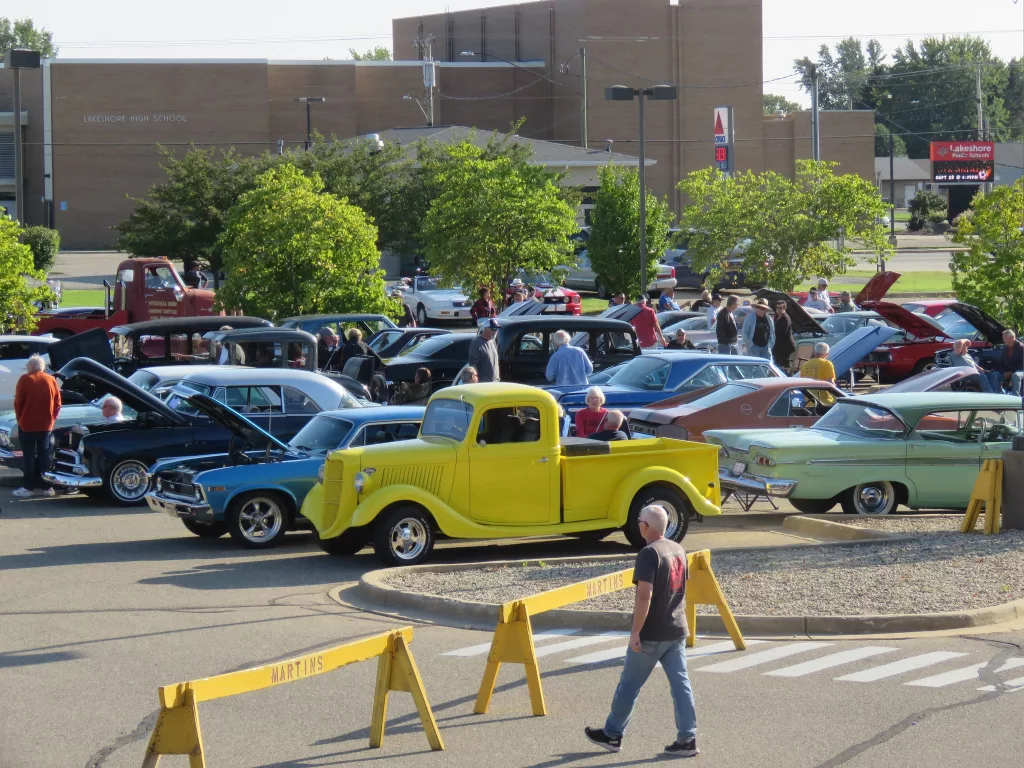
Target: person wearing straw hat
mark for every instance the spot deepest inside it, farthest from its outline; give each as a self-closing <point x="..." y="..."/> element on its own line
<point x="759" y="330"/>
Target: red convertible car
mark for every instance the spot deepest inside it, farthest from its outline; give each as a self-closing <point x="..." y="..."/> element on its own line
<point x="557" y="298"/>
<point x="914" y="351"/>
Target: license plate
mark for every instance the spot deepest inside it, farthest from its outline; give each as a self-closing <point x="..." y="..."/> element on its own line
<point x="738" y="467"/>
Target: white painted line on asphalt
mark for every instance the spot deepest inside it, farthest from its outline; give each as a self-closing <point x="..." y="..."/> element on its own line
<point x="832" y="660"/>
<point x="899" y="667"/>
<point x="962" y="674"/>
<point x="763" y="657"/>
<point x="482" y="648"/>
<point x="691" y="653"/>
<point x="581" y="642"/>
<point x="1010" y="685"/>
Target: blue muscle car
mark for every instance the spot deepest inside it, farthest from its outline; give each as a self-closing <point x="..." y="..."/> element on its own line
<point x="256" y="489"/>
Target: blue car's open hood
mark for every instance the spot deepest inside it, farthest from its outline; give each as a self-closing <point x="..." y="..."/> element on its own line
<point x="855" y="346"/>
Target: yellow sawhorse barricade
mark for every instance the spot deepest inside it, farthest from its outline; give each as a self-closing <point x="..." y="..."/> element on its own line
<point x="988" y="490"/>
<point x="513" y="637"/>
<point x="177" y="726"/>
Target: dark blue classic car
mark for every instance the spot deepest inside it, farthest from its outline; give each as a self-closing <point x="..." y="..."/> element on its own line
<point x="256" y="489"/>
<point x="649" y="378"/>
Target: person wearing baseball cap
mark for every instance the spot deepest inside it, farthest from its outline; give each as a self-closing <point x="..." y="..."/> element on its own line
<point x="759" y="330"/>
<point x="483" y="352"/>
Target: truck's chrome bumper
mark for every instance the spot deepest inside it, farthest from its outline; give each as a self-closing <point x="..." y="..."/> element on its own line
<point x="72" y="481"/>
<point x="769" y="486"/>
<point x="175" y="508"/>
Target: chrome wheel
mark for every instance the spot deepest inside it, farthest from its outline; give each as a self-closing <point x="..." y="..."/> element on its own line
<point x="877" y="498"/>
<point x="673" y="518"/>
<point x="408" y="538"/>
<point x="129" y="481"/>
<point x="260" y="520"/>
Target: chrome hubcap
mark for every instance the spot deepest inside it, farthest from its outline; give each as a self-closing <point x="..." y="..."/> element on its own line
<point x="674" y="520"/>
<point x="873" y="499"/>
<point x="130" y="481"/>
<point x="408" y="538"/>
<point x="260" y="519"/>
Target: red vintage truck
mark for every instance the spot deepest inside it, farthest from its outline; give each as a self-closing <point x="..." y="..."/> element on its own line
<point x="144" y="289"/>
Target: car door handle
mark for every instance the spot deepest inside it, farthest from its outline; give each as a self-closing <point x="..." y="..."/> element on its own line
<point x="542" y="460"/>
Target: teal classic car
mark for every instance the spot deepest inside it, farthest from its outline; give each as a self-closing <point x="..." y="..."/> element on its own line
<point x="871" y="454"/>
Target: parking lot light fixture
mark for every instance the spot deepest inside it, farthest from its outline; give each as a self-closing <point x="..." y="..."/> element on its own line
<point x="307" y="100"/>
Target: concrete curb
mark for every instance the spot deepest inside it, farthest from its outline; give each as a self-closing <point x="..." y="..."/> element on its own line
<point x="444" y="610"/>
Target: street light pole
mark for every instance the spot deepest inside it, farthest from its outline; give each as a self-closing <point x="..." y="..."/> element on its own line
<point x="19" y="60"/>
<point x="656" y="93"/>
<point x="307" y="100"/>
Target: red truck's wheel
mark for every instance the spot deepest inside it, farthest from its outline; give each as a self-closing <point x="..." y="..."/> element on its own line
<point x="679" y="513"/>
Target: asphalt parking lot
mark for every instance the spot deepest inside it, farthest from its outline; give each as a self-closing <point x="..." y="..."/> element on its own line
<point x="100" y="606"/>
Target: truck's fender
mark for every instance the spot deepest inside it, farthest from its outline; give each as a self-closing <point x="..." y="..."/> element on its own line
<point x="623" y="495"/>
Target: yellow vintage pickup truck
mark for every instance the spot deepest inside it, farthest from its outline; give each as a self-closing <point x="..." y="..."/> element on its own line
<point x="490" y="462"/>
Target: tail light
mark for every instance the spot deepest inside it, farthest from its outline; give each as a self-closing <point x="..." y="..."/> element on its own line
<point x="672" y="272"/>
<point x="765" y="461"/>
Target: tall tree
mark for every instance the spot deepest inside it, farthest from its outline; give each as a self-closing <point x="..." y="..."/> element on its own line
<point x="377" y="53"/>
<point x="797" y="226"/>
<point x="22" y="33"/>
<point x="991" y="274"/>
<point x="291" y="249"/>
<point x="493" y="217"/>
<point x="774" y="103"/>
<point x="21" y="285"/>
<point x="842" y="79"/>
<point x="614" y="244"/>
<point x="899" y="146"/>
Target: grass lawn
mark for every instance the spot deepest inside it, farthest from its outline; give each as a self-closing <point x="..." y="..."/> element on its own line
<point x="935" y="281"/>
<point x="83" y="298"/>
<point x="902" y="216"/>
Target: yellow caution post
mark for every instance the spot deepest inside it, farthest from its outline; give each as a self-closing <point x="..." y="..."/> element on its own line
<point x="988" y="490"/>
<point x="177" y="726"/>
<point x="513" y="637"/>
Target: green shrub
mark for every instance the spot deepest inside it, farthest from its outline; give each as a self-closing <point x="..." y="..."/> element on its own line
<point x="45" y="244"/>
<point x="926" y="207"/>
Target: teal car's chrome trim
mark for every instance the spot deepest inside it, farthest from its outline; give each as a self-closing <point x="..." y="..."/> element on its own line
<point x="753" y="484"/>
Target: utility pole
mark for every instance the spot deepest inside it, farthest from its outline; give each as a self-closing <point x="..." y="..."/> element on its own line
<point x="815" y="146"/>
<point x="584" y="139"/>
<point x="425" y="45"/>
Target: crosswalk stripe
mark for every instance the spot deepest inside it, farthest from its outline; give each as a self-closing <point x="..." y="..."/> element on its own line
<point x="482" y="648"/>
<point x="691" y="653"/>
<point x="962" y="674"/>
<point x="1010" y="685"/>
<point x="832" y="660"/>
<point x="762" y="657"/>
<point x="899" y="667"/>
<point x="580" y="642"/>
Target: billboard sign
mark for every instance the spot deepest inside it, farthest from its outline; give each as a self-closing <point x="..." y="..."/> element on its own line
<point x="963" y="162"/>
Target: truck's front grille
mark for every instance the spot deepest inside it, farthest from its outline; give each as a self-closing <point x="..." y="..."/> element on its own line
<point x="177" y="483"/>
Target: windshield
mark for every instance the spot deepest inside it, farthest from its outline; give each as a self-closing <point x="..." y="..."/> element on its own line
<point x="862" y="421"/>
<point x="721" y="395"/>
<point x="648" y="373"/>
<point x="959" y="329"/>
<point x="689" y="324"/>
<point x="427" y="284"/>
<point x="324" y="433"/>
<point x="178" y="402"/>
<point x="447" y="418"/>
<point x="427" y="347"/>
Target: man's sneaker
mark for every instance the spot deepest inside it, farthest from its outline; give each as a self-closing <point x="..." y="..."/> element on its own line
<point x="48" y="492"/>
<point x="602" y="739"/>
<point x="687" y="748"/>
<point x="23" y="492"/>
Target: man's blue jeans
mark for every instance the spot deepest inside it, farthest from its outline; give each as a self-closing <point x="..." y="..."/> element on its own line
<point x="635" y="673"/>
<point x="764" y="352"/>
<point x="728" y="349"/>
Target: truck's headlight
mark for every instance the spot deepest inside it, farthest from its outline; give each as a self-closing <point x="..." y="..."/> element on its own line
<point x="199" y="491"/>
<point x="81" y="448"/>
<point x="359" y="481"/>
<point x="320" y="473"/>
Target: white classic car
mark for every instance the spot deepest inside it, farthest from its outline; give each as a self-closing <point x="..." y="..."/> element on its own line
<point x="14" y="353"/>
<point x="429" y="301"/>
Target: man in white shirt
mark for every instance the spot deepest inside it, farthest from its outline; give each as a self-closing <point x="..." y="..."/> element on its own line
<point x="712" y="312"/>
<point x="111" y="408"/>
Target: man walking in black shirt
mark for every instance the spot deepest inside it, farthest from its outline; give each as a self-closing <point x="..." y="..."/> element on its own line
<point x="785" y="344"/>
<point x="726" y="330"/>
<point x="658" y="635"/>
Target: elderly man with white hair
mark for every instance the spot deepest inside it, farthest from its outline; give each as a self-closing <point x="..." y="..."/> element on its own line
<point x="36" y="405"/>
<point x="658" y="635"/>
<point x="568" y="365"/>
<point x="111" y="408"/>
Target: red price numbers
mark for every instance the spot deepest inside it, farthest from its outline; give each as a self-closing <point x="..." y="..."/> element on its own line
<point x="721" y="154"/>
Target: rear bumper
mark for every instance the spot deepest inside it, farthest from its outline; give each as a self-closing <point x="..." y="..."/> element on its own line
<point x="202" y="513"/>
<point x="72" y="481"/>
<point x="753" y="484"/>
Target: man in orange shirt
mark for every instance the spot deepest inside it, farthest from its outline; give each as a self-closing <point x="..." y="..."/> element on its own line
<point x="36" y="405"/>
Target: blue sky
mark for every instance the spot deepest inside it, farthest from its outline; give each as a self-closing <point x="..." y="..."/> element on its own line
<point x="271" y="29"/>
